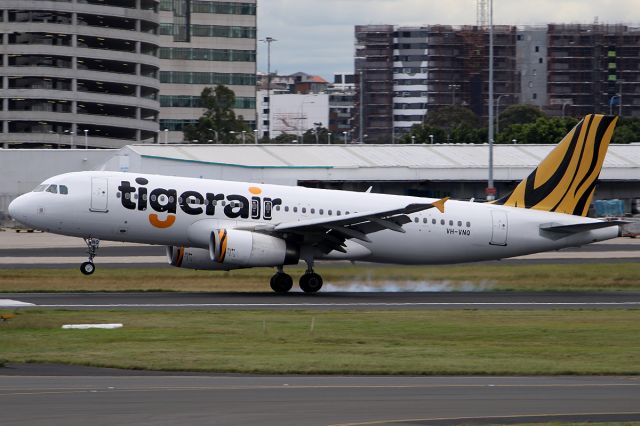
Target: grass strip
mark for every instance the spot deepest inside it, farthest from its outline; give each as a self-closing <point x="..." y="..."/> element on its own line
<point x="494" y="276"/>
<point x="334" y="342"/>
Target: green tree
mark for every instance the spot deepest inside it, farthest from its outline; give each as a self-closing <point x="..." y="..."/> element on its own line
<point x="541" y="131"/>
<point x="310" y="136"/>
<point x="285" y="138"/>
<point x="519" y="114"/>
<point x="627" y="130"/>
<point x="219" y="121"/>
<point x="422" y="133"/>
<point x="450" y="117"/>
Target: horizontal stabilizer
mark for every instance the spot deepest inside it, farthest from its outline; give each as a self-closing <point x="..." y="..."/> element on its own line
<point x="581" y="227"/>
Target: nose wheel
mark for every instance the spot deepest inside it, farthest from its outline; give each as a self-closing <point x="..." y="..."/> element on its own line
<point x="88" y="268"/>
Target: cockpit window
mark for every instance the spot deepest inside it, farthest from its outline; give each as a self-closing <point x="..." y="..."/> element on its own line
<point x="64" y="190"/>
<point x="39" y="188"/>
<point x="53" y="189"/>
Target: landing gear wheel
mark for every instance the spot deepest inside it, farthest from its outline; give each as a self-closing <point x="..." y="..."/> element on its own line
<point x="87" y="268"/>
<point x="281" y="283"/>
<point x="310" y="282"/>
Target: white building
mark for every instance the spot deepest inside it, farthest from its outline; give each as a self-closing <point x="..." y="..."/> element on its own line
<point x="292" y="114"/>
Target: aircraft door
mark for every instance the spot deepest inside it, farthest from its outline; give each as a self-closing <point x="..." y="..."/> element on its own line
<point x="99" y="194"/>
<point x="499" y="228"/>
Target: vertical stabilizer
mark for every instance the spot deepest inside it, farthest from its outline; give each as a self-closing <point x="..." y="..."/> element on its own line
<point x="565" y="180"/>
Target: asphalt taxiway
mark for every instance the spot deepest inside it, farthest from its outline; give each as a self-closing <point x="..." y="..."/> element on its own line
<point x="71" y="396"/>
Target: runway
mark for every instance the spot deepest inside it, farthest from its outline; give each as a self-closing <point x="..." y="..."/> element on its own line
<point x="52" y="395"/>
<point x="325" y="300"/>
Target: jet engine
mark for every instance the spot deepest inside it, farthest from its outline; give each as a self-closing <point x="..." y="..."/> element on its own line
<point x="194" y="258"/>
<point x="235" y="249"/>
<point x="249" y="249"/>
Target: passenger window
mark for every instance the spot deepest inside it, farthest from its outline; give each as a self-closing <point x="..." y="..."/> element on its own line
<point x="64" y="190"/>
<point x="450" y="223"/>
<point x="304" y="210"/>
<point x="346" y="212"/>
<point x="338" y="212"/>
<point x="277" y="208"/>
<point x="441" y="221"/>
<point x="313" y="211"/>
<point x="329" y="213"/>
<point x="459" y="223"/>
<point x="321" y="211"/>
<point x="286" y="208"/>
<point x="468" y="224"/>
<point x="295" y="210"/>
<point x="433" y="221"/>
<point x="53" y="189"/>
<point x="425" y="220"/>
<point x="416" y="220"/>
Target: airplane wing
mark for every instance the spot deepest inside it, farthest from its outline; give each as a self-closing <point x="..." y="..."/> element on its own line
<point x="581" y="227"/>
<point x="330" y="233"/>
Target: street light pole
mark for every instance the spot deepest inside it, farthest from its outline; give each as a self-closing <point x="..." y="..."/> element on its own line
<point x="345" y="137"/>
<point x="244" y="132"/>
<point x="490" y="189"/>
<point x="361" y="107"/>
<point x="166" y="136"/>
<point x="269" y="40"/>
<point x="431" y="138"/>
<point x="255" y="136"/>
<point x="86" y="141"/>
<point x="329" y="138"/>
<point x="611" y="103"/>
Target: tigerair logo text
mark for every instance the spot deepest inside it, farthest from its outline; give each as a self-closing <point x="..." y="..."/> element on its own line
<point x="167" y="201"/>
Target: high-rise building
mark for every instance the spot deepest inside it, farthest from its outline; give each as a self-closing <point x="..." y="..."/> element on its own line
<point x="564" y="69"/>
<point x="76" y="72"/>
<point x="341" y="102"/>
<point x="594" y="68"/>
<point x="403" y="72"/>
<point x="205" y="43"/>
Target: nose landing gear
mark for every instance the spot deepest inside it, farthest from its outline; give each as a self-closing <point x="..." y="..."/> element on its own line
<point x="88" y="268"/>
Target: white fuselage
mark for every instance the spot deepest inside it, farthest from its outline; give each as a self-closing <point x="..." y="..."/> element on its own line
<point x="97" y="205"/>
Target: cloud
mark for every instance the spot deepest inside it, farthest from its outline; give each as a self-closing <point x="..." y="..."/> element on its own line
<point x="318" y="36"/>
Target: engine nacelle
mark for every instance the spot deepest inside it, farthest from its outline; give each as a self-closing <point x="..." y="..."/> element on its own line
<point x="250" y="249"/>
<point x="195" y="258"/>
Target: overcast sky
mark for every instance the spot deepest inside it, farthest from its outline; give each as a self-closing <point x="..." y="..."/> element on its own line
<point x="316" y="36"/>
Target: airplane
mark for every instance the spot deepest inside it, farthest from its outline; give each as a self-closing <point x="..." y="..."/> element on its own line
<point x="224" y="225"/>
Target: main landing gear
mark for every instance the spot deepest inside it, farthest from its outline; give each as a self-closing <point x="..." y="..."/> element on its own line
<point x="310" y="282"/>
<point x="88" y="268"/>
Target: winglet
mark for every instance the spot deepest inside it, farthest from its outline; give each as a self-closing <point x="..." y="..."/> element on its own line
<point x="440" y="204"/>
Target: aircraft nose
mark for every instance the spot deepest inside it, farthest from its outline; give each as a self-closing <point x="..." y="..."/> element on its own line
<point x="17" y="209"/>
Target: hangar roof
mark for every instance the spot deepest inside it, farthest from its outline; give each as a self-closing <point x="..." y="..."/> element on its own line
<point x="443" y="160"/>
